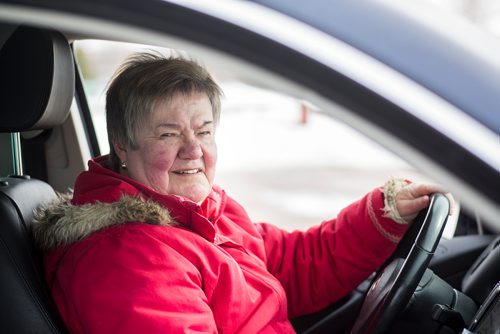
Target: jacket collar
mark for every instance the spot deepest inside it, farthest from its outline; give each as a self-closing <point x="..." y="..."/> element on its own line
<point x="101" y="185"/>
<point x="61" y="223"/>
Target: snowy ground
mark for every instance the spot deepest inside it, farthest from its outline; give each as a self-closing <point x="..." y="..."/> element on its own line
<point x="292" y="174"/>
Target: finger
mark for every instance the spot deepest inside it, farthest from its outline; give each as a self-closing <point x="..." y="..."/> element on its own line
<point x="418" y="190"/>
<point x="429" y="189"/>
<point x="422" y="202"/>
<point x="411" y="207"/>
<point x="432" y="189"/>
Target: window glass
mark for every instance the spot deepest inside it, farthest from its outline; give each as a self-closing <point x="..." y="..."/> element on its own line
<point x="284" y="160"/>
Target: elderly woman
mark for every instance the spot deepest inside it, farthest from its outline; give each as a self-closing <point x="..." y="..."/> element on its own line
<point x="148" y="244"/>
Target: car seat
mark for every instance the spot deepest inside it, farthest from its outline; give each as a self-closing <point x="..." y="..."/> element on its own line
<point x="36" y="90"/>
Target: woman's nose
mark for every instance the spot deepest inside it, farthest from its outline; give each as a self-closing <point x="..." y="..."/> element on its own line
<point x="191" y="149"/>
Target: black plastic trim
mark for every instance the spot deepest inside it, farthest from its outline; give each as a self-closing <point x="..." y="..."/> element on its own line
<point x="83" y="107"/>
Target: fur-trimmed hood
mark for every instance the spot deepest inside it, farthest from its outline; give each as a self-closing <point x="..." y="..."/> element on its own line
<point x="60" y="223"/>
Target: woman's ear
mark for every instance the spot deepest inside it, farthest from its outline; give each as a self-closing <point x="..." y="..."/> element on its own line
<point x="120" y="151"/>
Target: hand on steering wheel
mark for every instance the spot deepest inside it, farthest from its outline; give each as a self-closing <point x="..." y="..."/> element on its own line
<point x="392" y="288"/>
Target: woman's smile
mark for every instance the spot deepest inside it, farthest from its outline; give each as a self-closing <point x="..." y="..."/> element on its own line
<point x="188" y="171"/>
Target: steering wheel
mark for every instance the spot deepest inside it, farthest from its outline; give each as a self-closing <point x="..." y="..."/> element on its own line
<point x="395" y="283"/>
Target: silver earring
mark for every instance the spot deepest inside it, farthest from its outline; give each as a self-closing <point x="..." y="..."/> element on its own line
<point x="124" y="165"/>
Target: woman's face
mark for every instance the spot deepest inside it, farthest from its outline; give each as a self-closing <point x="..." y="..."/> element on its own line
<point x="176" y="151"/>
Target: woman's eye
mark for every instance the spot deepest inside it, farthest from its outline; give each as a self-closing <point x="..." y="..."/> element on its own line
<point x="168" y="134"/>
<point x="205" y="133"/>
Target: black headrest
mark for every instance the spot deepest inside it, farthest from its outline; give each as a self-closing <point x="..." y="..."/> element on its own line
<point x="37" y="80"/>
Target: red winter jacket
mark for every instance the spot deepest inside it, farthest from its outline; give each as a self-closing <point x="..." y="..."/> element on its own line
<point x="122" y="258"/>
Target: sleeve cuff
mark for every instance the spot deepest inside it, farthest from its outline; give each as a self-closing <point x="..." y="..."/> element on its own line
<point x="386" y="226"/>
<point x="390" y="190"/>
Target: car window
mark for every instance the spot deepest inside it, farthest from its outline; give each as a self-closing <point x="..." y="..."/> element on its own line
<point x="284" y="159"/>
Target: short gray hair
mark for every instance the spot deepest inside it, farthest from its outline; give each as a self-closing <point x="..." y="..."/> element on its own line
<point x="143" y="80"/>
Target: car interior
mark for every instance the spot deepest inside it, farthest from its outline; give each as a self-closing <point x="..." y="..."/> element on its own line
<point x="46" y="131"/>
<point x="37" y="88"/>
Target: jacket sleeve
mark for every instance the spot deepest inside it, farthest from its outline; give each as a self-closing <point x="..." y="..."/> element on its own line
<point x="132" y="284"/>
<point x="326" y="262"/>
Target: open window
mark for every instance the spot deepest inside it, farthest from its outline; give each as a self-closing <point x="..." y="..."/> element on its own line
<point x="286" y="160"/>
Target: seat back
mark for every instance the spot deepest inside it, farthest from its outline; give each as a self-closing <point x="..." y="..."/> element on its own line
<point x="36" y="90"/>
<point x="26" y="305"/>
